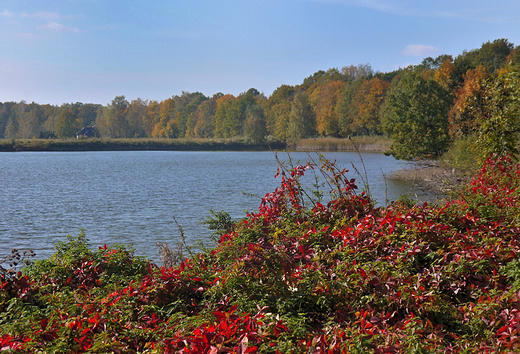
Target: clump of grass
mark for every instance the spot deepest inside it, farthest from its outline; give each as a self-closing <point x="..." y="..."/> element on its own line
<point x="15" y="261"/>
<point x="170" y="257"/>
<point x="363" y="143"/>
<point x="461" y="156"/>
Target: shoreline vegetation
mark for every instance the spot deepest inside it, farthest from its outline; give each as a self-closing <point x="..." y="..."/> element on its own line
<point x="129" y="144"/>
<point x="433" y="176"/>
<point x="377" y="144"/>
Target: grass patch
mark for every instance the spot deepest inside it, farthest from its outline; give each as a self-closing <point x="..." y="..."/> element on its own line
<point x="363" y="143"/>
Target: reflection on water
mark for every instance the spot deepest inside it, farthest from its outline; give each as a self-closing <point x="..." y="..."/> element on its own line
<point x="132" y="197"/>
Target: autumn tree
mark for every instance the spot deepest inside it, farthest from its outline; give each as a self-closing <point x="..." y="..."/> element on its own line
<point x="324" y="100"/>
<point x="185" y="105"/>
<point x="167" y="125"/>
<point x="365" y="106"/>
<point x="493" y="55"/>
<point x="152" y="117"/>
<point x="433" y="63"/>
<point x="469" y="106"/>
<point x="444" y="74"/>
<point x="205" y="114"/>
<point x="281" y="113"/>
<point x="416" y="116"/>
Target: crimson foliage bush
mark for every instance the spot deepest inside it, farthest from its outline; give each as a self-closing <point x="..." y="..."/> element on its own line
<point x="345" y="277"/>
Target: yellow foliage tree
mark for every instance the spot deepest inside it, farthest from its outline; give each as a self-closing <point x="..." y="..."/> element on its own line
<point x="325" y="99"/>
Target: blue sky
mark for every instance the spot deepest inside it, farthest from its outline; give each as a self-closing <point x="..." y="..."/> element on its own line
<point x="64" y="51"/>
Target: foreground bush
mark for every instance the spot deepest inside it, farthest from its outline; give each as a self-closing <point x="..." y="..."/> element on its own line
<point x="296" y="276"/>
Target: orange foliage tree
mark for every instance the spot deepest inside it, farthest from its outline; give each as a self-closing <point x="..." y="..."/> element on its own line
<point x="366" y="105"/>
<point x="325" y="99"/>
<point x="469" y="105"/>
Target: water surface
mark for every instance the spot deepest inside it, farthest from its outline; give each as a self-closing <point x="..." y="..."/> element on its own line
<point x="131" y="197"/>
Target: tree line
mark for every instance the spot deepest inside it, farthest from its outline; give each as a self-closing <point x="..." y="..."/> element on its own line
<point x="473" y="97"/>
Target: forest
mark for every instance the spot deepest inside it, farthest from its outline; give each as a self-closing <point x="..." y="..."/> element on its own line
<point x="466" y="103"/>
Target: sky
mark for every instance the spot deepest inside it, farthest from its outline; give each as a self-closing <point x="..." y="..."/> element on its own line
<point x="90" y="51"/>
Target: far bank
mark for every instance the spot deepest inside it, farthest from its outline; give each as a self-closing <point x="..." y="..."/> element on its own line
<point x="365" y="144"/>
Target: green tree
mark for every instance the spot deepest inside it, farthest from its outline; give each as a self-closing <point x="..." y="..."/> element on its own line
<point x="357" y="72"/>
<point x="278" y="111"/>
<point x="136" y="117"/>
<point x="254" y="126"/>
<point x="184" y="106"/>
<point x="28" y="125"/>
<point x="491" y="55"/>
<point x="112" y="120"/>
<point x="347" y="109"/>
<point x="67" y="125"/>
<point x="301" y="120"/>
<point x="416" y="116"/>
<point x="10" y="130"/>
<point x="225" y="123"/>
<point x="87" y="113"/>
<point x="498" y="133"/>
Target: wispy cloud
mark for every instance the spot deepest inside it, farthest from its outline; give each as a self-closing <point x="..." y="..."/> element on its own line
<point x="419" y="50"/>
<point x="377" y="5"/>
<point x="50" y="16"/>
<point x="480" y="11"/>
<point x="27" y="35"/>
<point x="59" y="28"/>
<point x="490" y="15"/>
<point x="6" y="13"/>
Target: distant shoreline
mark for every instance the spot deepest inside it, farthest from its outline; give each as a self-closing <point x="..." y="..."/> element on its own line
<point x="364" y="144"/>
<point x="71" y="145"/>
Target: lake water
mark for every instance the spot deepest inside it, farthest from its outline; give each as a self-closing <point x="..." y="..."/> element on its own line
<point x="131" y="197"/>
